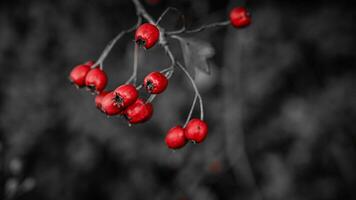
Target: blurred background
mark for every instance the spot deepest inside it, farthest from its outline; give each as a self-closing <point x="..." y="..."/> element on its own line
<point x="280" y="103"/>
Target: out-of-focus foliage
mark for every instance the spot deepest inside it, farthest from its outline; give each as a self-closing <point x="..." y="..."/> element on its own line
<point x="280" y="104"/>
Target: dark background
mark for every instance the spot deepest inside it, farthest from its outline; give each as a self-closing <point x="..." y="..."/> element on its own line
<point x="280" y="104"/>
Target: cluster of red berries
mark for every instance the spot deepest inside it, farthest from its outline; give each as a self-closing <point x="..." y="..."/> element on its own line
<point x="125" y="101"/>
<point x="196" y="131"/>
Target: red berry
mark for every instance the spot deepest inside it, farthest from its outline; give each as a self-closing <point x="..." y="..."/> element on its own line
<point x="155" y="82"/>
<point x="125" y="95"/>
<point x="109" y="105"/>
<point x="79" y="72"/>
<point x="99" y="98"/>
<point x="96" y="80"/>
<point x="196" y="130"/>
<point x="139" y="112"/>
<point x="175" y="138"/>
<point x="147" y="35"/>
<point x="240" y="17"/>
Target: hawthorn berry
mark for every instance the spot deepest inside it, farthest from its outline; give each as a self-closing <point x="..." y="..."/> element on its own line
<point x="125" y="95"/>
<point x="175" y="138"/>
<point x="109" y="105"/>
<point x="155" y="82"/>
<point x="79" y="72"/>
<point x="99" y="98"/>
<point x="196" y="130"/>
<point x="96" y="80"/>
<point x="240" y="17"/>
<point x="147" y="35"/>
<point x="139" y="112"/>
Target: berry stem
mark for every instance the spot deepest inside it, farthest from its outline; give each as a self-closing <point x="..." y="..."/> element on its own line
<point x="176" y="10"/>
<point x="191" y="110"/>
<point x="112" y="43"/>
<point x="140" y="10"/>
<point x="165" y="12"/>
<point x="195" y="89"/>
<point x="139" y="87"/>
<point x="151" y="98"/>
<point x="166" y="70"/>
<point x="133" y="77"/>
<point x="213" y="25"/>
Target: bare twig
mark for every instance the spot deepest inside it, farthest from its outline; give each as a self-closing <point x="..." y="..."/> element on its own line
<point x="141" y="11"/>
<point x="112" y="43"/>
<point x="213" y="25"/>
<point x="133" y="77"/>
<point x="180" y="14"/>
<point x="151" y="98"/>
<point x="191" y="110"/>
<point x="195" y="89"/>
<point x="165" y="12"/>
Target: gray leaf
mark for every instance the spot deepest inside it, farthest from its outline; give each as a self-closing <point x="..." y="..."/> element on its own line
<point x="196" y="54"/>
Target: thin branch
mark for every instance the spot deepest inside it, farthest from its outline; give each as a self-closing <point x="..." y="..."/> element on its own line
<point x="165" y="12"/>
<point x="151" y="98"/>
<point x="133" y="77"/>
<point x="191" y="110"/>
<point x="112" y="43"/>
<point x="141" y="11"/>
<point x="195" y="89"/>
<point x="213" y="25"/>
<point x="180" y="14"/>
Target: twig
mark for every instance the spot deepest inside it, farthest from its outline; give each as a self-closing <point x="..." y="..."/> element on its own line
<point x="213" y="25"/>
<point x="133" y="77"/>
<point x="191" y="110"/>
<point x="141" y="11"/>
<point x="195" y="89"/>
<point x="165" y="12"/>
<point x="151" y="98"/>
<point x="180" y="14"/>
<point x="112" y="43"/>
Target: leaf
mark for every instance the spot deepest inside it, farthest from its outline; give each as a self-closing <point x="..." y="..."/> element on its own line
<point x="196" y="54"/>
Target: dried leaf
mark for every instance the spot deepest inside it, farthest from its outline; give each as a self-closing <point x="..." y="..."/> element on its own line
<point x="196" y="54"/>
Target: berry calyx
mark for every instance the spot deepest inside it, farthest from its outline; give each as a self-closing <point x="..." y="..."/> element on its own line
<point x="139" y="112"/>
<point x="99" y="98"/>
<point x="109" y="105"/>
<point x="155" y="82"/>
<point x="240" y="17"/>
<point x="147" y="35"/>
<point x="79" y="72"/>
<point x="96" y="80"/>
<point x="196" y="130"/>
<point x="175" y="138"/>
<point x="125" y="95"/>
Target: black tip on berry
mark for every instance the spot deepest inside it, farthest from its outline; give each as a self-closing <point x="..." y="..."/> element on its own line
<point x="118" y="100"/>
<point x="149" y="86"/>
<point x="140" y="42"/>
<point x="92" y="89"/>
<point x="126" y="117"/>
